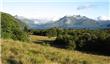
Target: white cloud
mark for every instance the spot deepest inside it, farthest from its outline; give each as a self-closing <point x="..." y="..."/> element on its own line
<point x="85" y="7"/>
<point x="104" y="18"/>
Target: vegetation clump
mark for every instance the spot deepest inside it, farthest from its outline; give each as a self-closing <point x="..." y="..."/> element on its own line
<point x="97" y="41"/>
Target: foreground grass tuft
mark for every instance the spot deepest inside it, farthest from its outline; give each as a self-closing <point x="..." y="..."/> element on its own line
<point x="15" y="52"/>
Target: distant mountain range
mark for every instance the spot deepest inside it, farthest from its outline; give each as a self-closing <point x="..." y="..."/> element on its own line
<point x="67" y="22"/>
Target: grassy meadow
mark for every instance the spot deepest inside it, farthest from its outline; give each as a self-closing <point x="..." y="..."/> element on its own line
<point x="16" y="52"/>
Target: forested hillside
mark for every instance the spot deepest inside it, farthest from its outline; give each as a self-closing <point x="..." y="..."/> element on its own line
<point x="12" y="28"/>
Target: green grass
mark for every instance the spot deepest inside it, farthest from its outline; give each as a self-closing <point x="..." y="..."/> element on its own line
<point x="16" y="52"/>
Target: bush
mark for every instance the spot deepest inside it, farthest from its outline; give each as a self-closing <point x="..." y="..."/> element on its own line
<point x="65" y="41"/>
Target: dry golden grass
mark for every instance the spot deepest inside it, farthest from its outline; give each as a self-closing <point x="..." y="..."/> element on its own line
<point x="30" y="53"/>
<point x="36" y="38"/>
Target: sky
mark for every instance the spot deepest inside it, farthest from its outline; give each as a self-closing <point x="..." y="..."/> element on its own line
<point x="55" y="9"/>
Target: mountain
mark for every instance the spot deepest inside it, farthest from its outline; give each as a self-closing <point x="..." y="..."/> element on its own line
<point x="28" y="22"/>
<point x="69" y="22"/>
<point x="33" y="23"/>
<point x="77" y="22"/>
<point x="104" y="24"/>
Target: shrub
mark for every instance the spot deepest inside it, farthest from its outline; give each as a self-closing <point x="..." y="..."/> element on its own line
<point x="65" y="41"/>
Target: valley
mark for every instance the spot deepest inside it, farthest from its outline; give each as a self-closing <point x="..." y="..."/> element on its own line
<point x="71" y="39"/>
